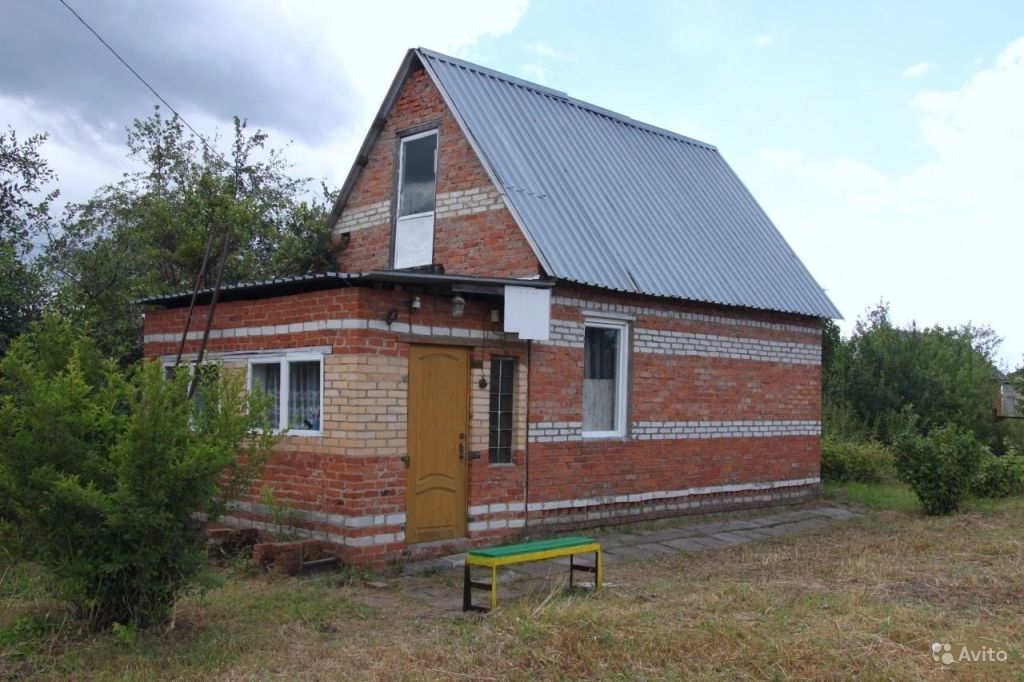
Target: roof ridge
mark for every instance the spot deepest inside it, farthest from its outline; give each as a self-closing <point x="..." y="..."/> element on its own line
<point x="558" y="94"/>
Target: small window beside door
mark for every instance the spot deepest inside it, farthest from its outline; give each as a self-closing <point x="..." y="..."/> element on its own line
<point x="503" y="379"/>
<point x="605" y="361"/>
<point x="294" y="385"/>
<point x="417" y="182"/>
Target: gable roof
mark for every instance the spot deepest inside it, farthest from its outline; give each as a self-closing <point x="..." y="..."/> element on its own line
<point x="607" y="201"/>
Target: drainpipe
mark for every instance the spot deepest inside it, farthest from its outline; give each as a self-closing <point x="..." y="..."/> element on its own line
<point x="526" y="449"/>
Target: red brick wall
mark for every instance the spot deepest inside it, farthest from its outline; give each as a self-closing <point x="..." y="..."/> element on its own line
<point x="486" y="242"/>
<point x="354" y="470"/>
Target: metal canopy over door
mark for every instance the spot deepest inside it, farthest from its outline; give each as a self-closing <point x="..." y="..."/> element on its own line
<point x="438" y="422"/>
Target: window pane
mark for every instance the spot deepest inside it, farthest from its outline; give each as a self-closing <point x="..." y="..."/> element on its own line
<point x="304" y="395"/>
<point x="267" y="379"/>
<point x="600" y="372"/>
<point x="417" y="191"/>
<point x="502" y="386"/>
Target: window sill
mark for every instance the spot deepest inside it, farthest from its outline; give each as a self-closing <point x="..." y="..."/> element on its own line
<point x="604" y="435"/>
<point x="301" y="433"/>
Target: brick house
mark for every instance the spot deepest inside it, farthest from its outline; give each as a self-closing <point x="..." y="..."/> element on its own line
<point x="546" y="315"/>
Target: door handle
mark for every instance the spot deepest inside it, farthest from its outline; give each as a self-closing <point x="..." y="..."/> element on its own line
<point x="405" y="459"/>
<point x="462" y="451"/>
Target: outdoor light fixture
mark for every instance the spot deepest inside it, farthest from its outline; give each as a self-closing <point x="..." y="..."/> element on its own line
<point x="415" y="304"/>
<point x="458" y="307"/>
<point x="391" y="316"/>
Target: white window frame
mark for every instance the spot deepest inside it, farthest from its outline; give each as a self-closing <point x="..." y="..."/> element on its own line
<point x="285" y="360"/>
<point x="412" y="217"/>
<point x="621" y="374"/>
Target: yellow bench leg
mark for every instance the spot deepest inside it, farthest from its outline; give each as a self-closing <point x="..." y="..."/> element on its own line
<point x="599" y="575"/>
<point x="494" y="587"/>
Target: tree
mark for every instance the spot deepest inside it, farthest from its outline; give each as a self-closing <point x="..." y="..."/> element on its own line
<point x="105" y="473"/>
<point x="24" y="216"/>
<point x="882" y="374"/>
<point x="148" y="233"/>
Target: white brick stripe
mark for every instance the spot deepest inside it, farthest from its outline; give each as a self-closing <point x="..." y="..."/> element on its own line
<point x="465" y="202"/>
<point x="363" y="217"/>
<point x="330" y="324"/>
<point x="567" y="334"/>
<point x="337" y="520"/>
<point x="364" y="541"/>
<point x="669" y="494"/>
<point x="496" y="508"/>
<point x="678" y="505"/>
<point x="560" y="432"/>
<point x="700" y="430"/>
<point x="496" y="524"/>
<point x="447" y="204"/>
<point x="679" y="315"/>
<point x="707" y="345"/>
<point x="554" y="432"/>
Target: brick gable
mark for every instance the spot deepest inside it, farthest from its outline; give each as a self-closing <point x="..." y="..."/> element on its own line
<point x="474" y="232"/>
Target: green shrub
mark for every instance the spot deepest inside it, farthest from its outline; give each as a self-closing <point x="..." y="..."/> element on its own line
<point x="107" y="473"/>
<point x="1000" y="476"/>
<point x="940" y="468"/>
<point x="843" y="461"/>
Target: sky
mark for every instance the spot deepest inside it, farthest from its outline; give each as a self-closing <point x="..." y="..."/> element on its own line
<point x="885" y="140"/>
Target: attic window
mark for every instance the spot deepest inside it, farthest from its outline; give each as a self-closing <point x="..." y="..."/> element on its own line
<point x="417" y="179"/>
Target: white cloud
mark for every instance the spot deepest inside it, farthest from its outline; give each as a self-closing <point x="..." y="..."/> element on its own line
<point x="763" y="40"/>
<point x="940" y="240"/>
<point x="919" y="69"/>
<point x="262" y="52"/>
<point x="546" y="51"/>
<point x="533" y="71"/>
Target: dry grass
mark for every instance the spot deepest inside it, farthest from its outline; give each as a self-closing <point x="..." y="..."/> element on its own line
<point x="861" y="599"/>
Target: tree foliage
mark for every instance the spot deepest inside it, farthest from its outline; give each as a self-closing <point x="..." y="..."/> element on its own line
<point x="106" y="474"/>
<point x="885" y="379"/>
<point x="148" y="233"/>
<point x="24" y="216"/>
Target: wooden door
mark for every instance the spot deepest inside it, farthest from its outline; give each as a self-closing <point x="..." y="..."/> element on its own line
<point x="438" y="446"/>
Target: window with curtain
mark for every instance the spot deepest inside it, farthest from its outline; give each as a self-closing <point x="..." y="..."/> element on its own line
<point x="266" y="378"/>
<point x="295" y="389"/>
<point x="304" y="395"/>
<point x="604" y="394"/>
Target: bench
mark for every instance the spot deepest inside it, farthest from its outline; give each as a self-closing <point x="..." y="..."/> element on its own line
<point x="507" y="555"/>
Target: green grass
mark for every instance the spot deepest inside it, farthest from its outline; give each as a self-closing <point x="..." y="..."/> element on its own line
<point x="860" y="599"/>
<point x="891" y="495"/>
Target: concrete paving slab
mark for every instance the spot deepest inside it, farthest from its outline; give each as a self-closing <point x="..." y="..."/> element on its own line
<point x="669" y="534"/>
<point x="634" y="552"/>
<point x="731" y="538"/>
<point x="686" y="545"/>
<point x="656" y="548"/>
<point x="710" y="542"/>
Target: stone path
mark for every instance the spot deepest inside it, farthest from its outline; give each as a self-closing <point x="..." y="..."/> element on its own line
<point x="638" y="542"/>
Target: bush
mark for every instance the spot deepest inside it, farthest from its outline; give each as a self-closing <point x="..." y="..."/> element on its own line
<point x="1000" y="476"/>
<point x="107" y="473"/>
<point x="940" y="468"/>
<point x="843" y="461"/>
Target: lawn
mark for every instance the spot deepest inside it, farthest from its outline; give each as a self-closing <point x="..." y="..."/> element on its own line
<point x="864" y="598"/>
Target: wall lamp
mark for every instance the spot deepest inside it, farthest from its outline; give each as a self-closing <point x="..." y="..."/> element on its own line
<point x="415" y="304"/>
<point x="458" y="307"/>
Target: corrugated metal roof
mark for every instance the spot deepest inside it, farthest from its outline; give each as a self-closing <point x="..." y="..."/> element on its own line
<point x="611" y="202"/>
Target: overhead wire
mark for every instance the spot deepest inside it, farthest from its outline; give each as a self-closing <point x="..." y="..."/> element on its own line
<point x="227" y="234"/>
